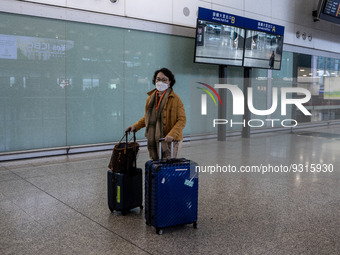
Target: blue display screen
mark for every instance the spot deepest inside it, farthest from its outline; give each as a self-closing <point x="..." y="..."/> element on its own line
<point x="227" y="39"/>
<point x="238" y="21"/>
<point x="332" y="7"/>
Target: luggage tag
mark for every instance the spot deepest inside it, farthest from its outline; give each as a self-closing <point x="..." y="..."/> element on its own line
<point x="160" y="153"/>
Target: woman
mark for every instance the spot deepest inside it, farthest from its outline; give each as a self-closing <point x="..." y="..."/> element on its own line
<point x="272" y="60"/>
<point x="164" y="116"/>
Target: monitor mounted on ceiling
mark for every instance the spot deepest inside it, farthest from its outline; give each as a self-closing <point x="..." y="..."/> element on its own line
<point x="328" y="10"/>
<point x="227" y="39"/>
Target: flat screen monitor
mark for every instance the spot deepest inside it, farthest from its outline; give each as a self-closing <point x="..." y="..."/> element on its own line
<point x="219" y="44"/>
<point x="227" y="39"/>
<point x="263" y="50"/>
<point x="329" y="10"/>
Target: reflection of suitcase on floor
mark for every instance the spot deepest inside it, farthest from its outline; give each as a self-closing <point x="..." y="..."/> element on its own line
<point x="171" y="193"/>
<point x="124" y="191"/>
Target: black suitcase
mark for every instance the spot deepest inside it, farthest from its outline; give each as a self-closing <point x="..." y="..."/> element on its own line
<point x="125" y="192"/>
<point x="125" y="189"/>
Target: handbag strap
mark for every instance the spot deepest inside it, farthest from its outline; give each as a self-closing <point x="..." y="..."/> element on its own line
<point x="126" y="142"/>
<point x="134" y="148"/>
<point x="122" y="138"/>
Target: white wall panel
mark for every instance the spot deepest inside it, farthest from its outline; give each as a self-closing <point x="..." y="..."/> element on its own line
<point x="325" y="26"/>
<point x="284" y="10"/>
<point x="303" y="42"/>
<point x="335" y="44"/>
<point x="28" y="8"/>
<point x="303" y="12"/>
<point x="204" y="4"/>
<point x="180" y="10"/>
<point x="150" y="10"/>
<point x="256" y="16"/>
<point x="289" y="32"/>
<point x="104" y="6"/>
<point x="293" y="14"/>
<point x="235" y="4"/>
<point x="262" y="7"/>
<point x="53" y="2"/>
<point x="227" y="9"/>
<point x="323" y="40"/>
<point x="185" y="12"/>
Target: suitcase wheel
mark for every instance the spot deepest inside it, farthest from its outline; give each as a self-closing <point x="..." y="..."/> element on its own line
<point x="159" y="231"/>
<point x="124" y="212"/>
<point x="111" y="209"/>
<point x="147" y="223"/>
<point x="196" y="225"/>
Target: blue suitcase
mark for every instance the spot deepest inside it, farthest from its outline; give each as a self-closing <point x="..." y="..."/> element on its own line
<point x="171" y="193"/>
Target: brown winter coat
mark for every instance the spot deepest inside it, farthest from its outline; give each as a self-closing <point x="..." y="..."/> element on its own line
<point x="174" y="118"/>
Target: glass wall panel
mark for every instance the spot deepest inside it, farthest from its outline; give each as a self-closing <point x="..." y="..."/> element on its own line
<point x="32" y="89"/>
<point x="319" y="75"/>
<point x="260" y="97"/>
<point x="281" y="79"/>
<point x="326" y="89"/>
<point x="234" y="77"/>
<point x="68" y="83"/>
<point x="95" y="73"/>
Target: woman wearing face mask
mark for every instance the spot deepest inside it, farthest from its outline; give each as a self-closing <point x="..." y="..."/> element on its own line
<point x="164" y="116"/>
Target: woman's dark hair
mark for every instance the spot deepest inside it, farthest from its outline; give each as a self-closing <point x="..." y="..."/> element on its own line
<point x="167" y="73"/>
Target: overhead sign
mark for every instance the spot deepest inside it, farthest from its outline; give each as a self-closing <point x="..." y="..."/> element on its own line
<point x="228" y="39"/>
<point x="238" y="21"/>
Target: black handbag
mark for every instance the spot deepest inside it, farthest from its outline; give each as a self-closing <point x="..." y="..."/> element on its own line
<point x="124" y="156"/>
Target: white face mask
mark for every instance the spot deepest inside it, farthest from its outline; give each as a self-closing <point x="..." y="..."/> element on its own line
<point x="161" y="86"/>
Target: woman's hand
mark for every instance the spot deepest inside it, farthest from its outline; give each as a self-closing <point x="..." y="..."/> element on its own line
<point x="131" y="128"/>
<point x="168" y="139"/>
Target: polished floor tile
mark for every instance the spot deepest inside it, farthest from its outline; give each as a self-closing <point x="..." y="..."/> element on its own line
<point x="276" y="193"/>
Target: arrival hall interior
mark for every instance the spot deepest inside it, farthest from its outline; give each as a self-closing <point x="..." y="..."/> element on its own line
<point x="74" y="75"/>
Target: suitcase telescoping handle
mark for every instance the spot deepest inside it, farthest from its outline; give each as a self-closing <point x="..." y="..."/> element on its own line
<point x="160" y="148"/>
